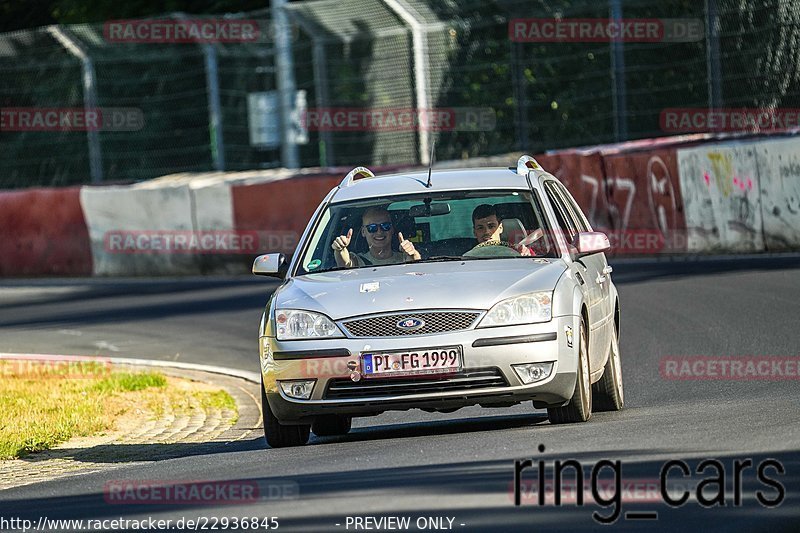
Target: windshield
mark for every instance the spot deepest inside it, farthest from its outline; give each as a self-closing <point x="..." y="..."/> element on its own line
<point x="457" y="225"/>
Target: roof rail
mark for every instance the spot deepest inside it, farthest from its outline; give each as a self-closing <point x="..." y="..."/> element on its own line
<point x="355" y="174"/>
<point x="525" y="164"/>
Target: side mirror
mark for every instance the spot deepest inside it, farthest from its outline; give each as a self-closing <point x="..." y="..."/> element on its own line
<point x="591" y="242"/>
<point x="274" y="265"/>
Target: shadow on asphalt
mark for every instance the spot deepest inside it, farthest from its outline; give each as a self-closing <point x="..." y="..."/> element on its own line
<point x="317" y="495"/>
<point x="130" y="453"/>
<point x="435" y="427"/>
<point x="124" y="309"/>
<point x="631" y="271"/>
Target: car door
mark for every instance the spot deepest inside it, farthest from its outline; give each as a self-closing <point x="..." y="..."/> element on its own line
<point x="599" y="263"/>
<point x="587" y="270"/>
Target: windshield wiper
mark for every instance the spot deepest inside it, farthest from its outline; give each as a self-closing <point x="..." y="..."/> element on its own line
<point x="437" y="258"/>
<point x="332" y="269"/>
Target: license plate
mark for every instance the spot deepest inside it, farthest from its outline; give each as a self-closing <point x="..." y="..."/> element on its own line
<point x="412" y="363"/>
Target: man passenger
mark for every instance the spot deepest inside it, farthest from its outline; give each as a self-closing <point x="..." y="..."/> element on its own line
<point x="377" y="228"/>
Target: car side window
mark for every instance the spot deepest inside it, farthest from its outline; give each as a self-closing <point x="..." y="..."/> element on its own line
<point x="572" y="206"/>
<point x="565" y="222"/>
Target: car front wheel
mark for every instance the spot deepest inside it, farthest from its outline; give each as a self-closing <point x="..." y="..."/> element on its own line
<point x="608" y="392"/>
<point x="579" y="408"/>
<point x="281" y="435"/>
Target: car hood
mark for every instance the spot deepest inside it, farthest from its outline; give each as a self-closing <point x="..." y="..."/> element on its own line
<point x="475" y="284"/>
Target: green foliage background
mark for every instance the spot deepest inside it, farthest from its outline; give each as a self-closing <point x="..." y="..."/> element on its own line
<point x="545" y="95"/>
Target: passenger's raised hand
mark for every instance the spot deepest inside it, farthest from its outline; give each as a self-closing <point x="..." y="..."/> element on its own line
<point x="407" y="247"/>
<point x="343" y="241"/>
<point x="340" y="252"/>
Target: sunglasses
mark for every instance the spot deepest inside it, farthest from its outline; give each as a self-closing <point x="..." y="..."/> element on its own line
<point x="372" y="228"/>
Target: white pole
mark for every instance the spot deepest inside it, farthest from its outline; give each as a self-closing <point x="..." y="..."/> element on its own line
<point x="421" y="69"/>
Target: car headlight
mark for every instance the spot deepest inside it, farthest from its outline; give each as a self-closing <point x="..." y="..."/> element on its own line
<point x="525" y="309"/>
<point x="292" y="324"/>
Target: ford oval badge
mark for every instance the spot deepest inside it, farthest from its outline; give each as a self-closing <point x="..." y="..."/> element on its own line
<point x="411" y="324"/>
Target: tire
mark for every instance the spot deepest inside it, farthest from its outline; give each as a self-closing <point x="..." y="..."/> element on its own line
<point x="579" y="408"/>
<point x="331" y="425"/>
<point x="608" y="393"/>
<point x="281" y="435"/>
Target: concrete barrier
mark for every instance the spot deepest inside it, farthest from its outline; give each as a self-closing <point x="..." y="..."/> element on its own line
<point x="126" y="211"/>
<point x="651" y="196"/>
<point x="779" y="173"/>
<point x="645" y="202"/>
<point x="722" y="198"/>
<point x="42" y="232"/>
<point x="279" y="211"/>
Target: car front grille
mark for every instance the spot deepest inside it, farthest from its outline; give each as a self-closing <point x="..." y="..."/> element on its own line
<point x="346" y="389"/>
<point x="435" y="322"/>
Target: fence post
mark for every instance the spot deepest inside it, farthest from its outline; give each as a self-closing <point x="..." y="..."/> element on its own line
<point x="320" y="65"/>
<point x="214" y="108"/>
<point x="74" y="47"/>
<point x="421" y="69"/>
<point x="286" y="85"/>
<point x="521" y="97"/>
<point x="713" y="68"/>
<point x="618" y="75"/>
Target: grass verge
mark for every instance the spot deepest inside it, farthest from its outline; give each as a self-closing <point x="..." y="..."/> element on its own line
<point x="43" y="408"/>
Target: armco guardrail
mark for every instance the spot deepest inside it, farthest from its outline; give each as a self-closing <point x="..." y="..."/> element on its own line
<point x="690" y="194"/>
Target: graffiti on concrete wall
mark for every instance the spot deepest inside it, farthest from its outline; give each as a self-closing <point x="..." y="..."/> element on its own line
<point x="643" y="197"/>
<point x="661" y="196"/>
<point x="624" y="195"/>
<point x="721" y="198"/>
<point x="779" y="168"/>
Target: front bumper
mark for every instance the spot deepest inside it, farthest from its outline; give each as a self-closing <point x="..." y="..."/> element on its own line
<point x="488" y="348"/>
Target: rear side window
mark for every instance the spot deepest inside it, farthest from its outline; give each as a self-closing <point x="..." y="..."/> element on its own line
<point x="575" y="211"/>
<point x="565" y="222"/>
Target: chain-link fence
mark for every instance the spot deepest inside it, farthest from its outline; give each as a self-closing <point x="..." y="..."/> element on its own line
<point x="360" y="68"/>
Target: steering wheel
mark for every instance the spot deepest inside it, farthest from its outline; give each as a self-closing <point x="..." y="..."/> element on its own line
<point x="493" y="249"/>
<point x="495" y="243"/>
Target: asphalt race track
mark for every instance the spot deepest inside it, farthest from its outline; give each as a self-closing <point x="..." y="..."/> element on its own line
<point x="456" y="471"/>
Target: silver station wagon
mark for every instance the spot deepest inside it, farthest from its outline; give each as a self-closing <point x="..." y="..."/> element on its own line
<point x="439" y="290"/>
